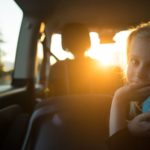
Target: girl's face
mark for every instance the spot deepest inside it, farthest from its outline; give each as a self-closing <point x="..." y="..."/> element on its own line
<point x="139" y="61"/>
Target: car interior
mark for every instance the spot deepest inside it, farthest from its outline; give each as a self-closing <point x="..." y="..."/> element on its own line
<point x="31" y="117"/>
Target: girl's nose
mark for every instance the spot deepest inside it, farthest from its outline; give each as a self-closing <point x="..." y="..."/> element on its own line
<point x="141" y="72"/>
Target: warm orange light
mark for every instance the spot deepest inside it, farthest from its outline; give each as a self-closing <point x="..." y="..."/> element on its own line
<point x="40" y="50"/>
<point x="42" y="27"/>
<point x="107" y="54"/>
<point x="121" y="44"/>
<point x="57" y="50"/>
<point x="104" y="53"/>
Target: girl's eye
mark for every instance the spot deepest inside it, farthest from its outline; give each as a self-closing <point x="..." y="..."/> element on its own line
<point x="134" y="61"/>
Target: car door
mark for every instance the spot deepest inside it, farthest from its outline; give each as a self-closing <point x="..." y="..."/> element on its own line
<point x="18" y="45"/>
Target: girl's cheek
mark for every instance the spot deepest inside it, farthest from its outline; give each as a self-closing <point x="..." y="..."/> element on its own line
<point x="130" y="75"/>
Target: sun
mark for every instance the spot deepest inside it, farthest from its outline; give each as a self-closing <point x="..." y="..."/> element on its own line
<point x="106" y="54"/>
<point x="111" y="54"/>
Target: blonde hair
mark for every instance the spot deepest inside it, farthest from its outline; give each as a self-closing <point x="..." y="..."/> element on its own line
<point x="141" y="31"/>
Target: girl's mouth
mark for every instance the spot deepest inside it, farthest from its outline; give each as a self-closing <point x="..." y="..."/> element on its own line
<point x="140" y="82"/>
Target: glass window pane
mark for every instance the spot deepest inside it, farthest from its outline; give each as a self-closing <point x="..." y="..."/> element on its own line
<point x="10" y="21"/>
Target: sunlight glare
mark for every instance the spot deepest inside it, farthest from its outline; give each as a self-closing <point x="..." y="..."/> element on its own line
<point x="104" y="53"/>
<point x="121" y="42"/>
<point x="111" y="54"/>
<point x="57" y="50"/>
<point x="40" y="50"/>
<point x="108" y="55"/>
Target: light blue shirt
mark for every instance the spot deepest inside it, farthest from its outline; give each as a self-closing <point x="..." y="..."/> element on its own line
<point x="146" y="105"/>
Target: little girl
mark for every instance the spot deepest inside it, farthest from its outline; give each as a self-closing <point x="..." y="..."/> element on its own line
<point x="137" y="89"/>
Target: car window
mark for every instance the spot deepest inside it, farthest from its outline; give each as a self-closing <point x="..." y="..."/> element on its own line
<point x="10" y="21"/>
<point x="39" y="61"/>
<point x="57" y="50"/>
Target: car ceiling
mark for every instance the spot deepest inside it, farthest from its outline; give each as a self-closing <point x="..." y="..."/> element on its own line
<point x="104" y="16"/>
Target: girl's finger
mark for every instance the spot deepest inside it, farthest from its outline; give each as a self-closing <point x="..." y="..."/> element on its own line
<point x="145" y="117"/>
<point x="138" y="85"/>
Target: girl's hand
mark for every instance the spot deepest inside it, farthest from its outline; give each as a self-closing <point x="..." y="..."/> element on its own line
<point x="140" y="125"/>
<point x="120" y="104"/>
<point x="133" y="92"/>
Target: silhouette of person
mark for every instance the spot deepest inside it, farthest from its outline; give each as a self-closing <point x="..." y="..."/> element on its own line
<point x="73" y="76"/>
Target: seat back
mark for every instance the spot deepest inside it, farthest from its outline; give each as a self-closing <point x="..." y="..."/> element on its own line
<point x="73" y="77"/>
<point x="69" y="122"/>
<point x="13" y="121"/>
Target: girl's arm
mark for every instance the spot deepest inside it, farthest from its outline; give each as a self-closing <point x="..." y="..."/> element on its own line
<point x="120" y="104"/>
<point x="118" y="114"/>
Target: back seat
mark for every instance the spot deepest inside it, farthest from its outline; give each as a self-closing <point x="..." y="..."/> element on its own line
<point x="13" y="124"/>
<point x="70" y="122"/>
